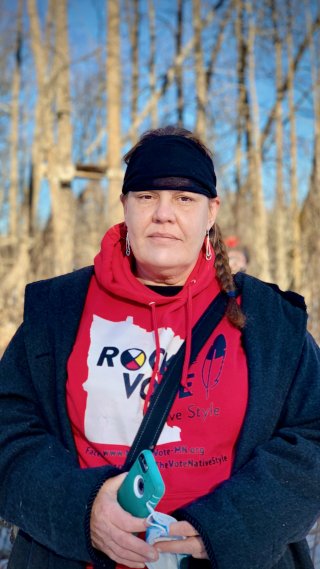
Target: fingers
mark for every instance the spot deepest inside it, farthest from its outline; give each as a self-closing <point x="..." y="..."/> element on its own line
<point x="106" y="508"/>
<point x="129" y="550"/>
<point x="118" y="542"/>
<point x="191" y="546"/>
<point x="112" y="528"/>
<point x="182" y="529"/>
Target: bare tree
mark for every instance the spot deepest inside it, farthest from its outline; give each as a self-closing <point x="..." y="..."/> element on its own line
<point x="200" y="81"/>
<point x="217" y="45"/>
<point x="60" y="167"/>
<point x="279" y="210"/>
<point x="42" y="139"/>
<point x="152" y="64"/>
<point x="294" y="206"/>
<point x="179" y="68"/>
<point x="113" y="85"/>
<point x="134" y="41"/>
<point x="310" y="215"/>
<point x="14" y="138"/>
<point x="53" y="134"/>
<point x="260" y="248"/>
<point x="282" y="90"/>
<point x="242" y="208"/>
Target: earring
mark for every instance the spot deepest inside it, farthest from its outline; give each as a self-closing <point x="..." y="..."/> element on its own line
<point x="208" y="246"/>
<point x="128" y="250"/>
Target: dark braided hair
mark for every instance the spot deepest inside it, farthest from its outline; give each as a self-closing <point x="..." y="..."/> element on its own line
<point x="223" y="271"/>
<point x="225" y="278"/>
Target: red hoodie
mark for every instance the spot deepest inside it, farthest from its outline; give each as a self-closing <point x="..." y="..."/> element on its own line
<point x="126" y="337"/>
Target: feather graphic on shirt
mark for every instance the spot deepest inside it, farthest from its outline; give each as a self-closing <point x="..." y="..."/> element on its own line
<point x="213" y="363"/>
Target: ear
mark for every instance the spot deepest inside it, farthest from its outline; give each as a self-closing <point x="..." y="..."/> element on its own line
<point x="214" y="204"/>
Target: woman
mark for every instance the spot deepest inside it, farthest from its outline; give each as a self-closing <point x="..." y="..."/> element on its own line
<point x="239" y="452"/>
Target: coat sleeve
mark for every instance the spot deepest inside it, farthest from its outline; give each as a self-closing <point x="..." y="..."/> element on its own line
<point x="274" y="499"/>
<point x="43" y="490"/>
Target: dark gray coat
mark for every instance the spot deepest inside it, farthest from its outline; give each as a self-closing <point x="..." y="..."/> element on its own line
<point x="255" y="520"/>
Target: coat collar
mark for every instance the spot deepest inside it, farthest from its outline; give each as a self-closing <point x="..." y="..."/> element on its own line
<point x="273" y="340"/>
<point x="271" y="359"/>
<point x="66" y="301"/>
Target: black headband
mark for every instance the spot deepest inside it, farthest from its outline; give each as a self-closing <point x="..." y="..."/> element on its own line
<point x="161" y="160"/>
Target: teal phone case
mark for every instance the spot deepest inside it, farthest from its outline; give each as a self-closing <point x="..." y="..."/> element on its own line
<point x="142" y="487"/>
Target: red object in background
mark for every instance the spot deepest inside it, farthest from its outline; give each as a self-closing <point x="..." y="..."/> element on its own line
<point x="232" y="241"/>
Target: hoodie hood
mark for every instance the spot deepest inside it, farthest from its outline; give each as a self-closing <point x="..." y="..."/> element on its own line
<point x="114" y="275"/>
<point x="127" y="337"/>
<point x="113" y="270"/>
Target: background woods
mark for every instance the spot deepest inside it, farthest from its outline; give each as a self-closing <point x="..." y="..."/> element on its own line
<point x="81" y="79"/>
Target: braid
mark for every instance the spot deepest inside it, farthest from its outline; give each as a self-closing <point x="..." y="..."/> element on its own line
<point x="225" y="279"/>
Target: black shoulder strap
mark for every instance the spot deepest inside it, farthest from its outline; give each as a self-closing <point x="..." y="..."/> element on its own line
<point x="163" y="397"/>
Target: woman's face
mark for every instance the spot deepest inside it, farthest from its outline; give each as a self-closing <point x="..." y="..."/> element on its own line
<point x="166" y="230"/>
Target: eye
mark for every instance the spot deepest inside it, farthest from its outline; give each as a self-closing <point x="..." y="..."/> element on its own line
<point x="144" y="197"/>
<point x="185" y="198"/>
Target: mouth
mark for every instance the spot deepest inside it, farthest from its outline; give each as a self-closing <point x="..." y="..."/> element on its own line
<point x="163" y="236"/>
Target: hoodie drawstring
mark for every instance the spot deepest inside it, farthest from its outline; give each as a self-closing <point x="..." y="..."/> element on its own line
<point x="155" y="370"/>
<point x="186" y="363"/>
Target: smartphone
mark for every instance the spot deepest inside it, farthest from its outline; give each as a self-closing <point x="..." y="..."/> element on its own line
<point x="143" y="486"/>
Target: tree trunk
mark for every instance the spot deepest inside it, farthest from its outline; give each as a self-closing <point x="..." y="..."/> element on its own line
<point x="170" y="74"/>
<point x="200" y="78"/>
<point x="134" y="36"/>
<point x="260" y="246"/>
<point x="315" y="73"/>
<point x="179" y="72"/>
<point x="53" y="133"/>
<point x="152" y="66"/>
<point x="279" y="214"/>
<point x="311" y="210"/>
<point x="14" y="137"/>
<point x="115" y="175"/>
<point x="241" y="212"/>
<point x="218" y="44"/>
<point x="296" y="268"/>
<point x="42" y="139"/>
<point x="60" y="169"/>
<point x="284" y="85"/>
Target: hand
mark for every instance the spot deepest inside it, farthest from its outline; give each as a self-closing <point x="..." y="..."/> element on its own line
<point x="192" y="544"/>
<point x="112" y="528"/>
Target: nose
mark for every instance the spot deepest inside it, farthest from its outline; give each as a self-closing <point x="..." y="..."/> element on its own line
<point x="164" y="210"/>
